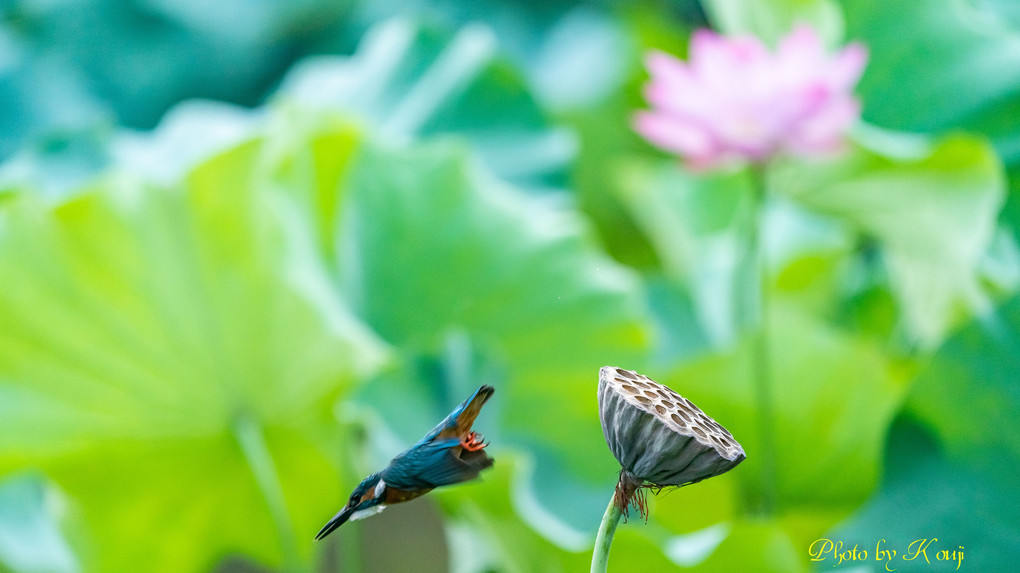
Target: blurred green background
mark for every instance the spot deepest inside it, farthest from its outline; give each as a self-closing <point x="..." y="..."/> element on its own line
<point x="250" y="249"/>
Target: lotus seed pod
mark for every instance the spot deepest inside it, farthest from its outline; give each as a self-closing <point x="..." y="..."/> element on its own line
<point x="659" y="436"/>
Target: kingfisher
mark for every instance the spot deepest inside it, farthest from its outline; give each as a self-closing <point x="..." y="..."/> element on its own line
<point x="450" y="453"/>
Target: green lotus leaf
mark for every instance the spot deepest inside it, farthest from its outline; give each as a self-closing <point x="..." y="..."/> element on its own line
<point x="978" y="367"/>
<point x="931" y="207"/>
<point x="933" y="501"/>
<point x="961" y="67"/>
<point x="834" y="396"/>
<point x="165" y="359"/>
<point x="408" y="81"/>
<point x="693" y="223"/>
<point x="486" y="531"/>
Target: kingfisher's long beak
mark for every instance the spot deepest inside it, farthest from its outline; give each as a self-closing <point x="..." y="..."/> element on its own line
<point x="339" y="519"/>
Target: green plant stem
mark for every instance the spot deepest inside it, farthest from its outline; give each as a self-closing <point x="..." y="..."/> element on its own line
<point x="757" y="317"/>
<point x="600" y="556"/>
<point x="256" y="452"/>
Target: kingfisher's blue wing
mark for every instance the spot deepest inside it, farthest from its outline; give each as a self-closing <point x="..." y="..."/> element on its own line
<point x="434" y="464"/>
<point x="436" y="459"/>
<point x="460" y="419"/>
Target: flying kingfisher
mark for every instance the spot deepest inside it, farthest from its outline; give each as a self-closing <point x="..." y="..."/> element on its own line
<point x="449" y="454"/>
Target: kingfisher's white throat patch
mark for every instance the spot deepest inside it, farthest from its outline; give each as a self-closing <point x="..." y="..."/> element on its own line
<point x="363" y="513"/>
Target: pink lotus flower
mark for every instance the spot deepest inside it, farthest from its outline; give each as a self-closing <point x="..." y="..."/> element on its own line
<point x="736" y="101"/>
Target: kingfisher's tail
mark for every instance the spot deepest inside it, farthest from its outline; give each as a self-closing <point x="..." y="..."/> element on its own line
<point x="471" y="407"/>
<point x="459" y="422"/>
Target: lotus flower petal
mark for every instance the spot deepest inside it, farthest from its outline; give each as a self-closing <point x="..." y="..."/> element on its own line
<point x="735" y="101"/>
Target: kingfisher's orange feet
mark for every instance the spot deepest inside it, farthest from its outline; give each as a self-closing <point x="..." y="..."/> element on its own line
<point x="472" y="442"/>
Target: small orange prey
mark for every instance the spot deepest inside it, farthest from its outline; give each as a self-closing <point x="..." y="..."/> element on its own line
<point x="472" y="442"/>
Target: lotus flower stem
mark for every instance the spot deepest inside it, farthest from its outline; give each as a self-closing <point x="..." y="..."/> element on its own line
<point x="756" y="299"/>
<point x="600" y="557"/>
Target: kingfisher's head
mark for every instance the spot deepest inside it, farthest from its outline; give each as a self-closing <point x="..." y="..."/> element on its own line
<point x="366" y="499"/>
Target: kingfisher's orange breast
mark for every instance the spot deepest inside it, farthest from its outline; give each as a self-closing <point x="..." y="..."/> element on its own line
<point x="392" y="495"/>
